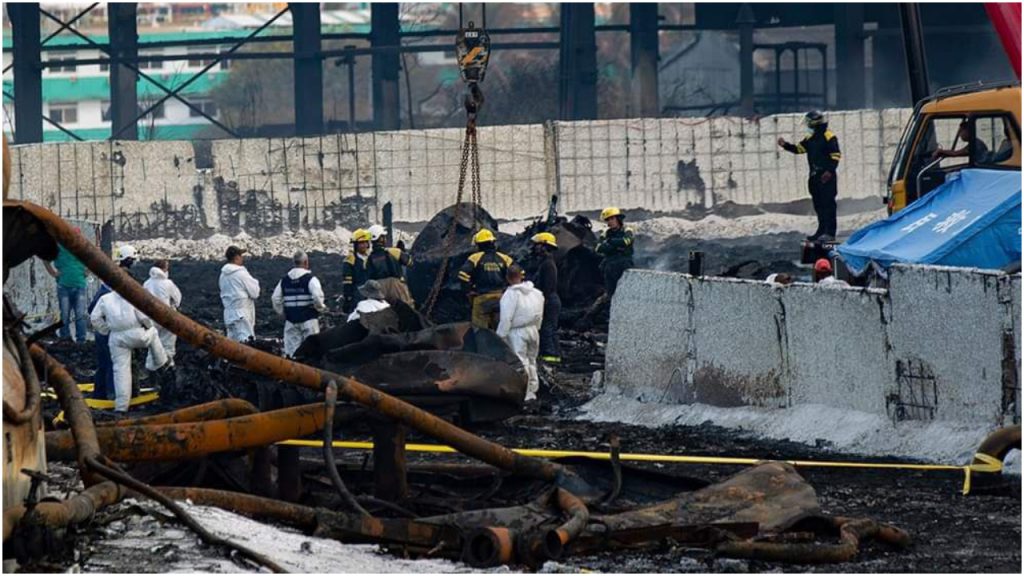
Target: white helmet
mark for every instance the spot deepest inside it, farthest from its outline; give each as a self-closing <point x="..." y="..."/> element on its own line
<point x="126" y="251"/>
<point x="377" y="231"/>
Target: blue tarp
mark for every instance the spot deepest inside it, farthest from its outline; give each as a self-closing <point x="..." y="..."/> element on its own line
<point x="973" y="220"/>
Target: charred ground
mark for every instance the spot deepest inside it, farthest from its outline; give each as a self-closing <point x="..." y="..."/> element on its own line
<point x="952" y="533"/>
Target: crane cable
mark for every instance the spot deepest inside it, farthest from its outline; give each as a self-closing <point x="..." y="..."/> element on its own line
<point x="473" y="52"/>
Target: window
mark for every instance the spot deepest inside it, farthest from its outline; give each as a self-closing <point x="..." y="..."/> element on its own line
<point x="63" y="68"/>
<point x="995" y="142"/>
<point x="200" y="62"/>
<point x="143" y="65"/>
<point x="206" y="106"/>
<point x="105" y="110"/>
<point x="156" y="114"/>
<point x="64" y="113"/>
<point x="945" y="139"/>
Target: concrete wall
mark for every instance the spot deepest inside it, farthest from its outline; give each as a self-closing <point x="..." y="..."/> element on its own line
<point x="34" y="292"/>
<point x="264" y="186"/>
<point x="940" y="344"/>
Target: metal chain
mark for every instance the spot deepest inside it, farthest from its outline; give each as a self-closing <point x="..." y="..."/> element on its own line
<point x="468" y="149"/>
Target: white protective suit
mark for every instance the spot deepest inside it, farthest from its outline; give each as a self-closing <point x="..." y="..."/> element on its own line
<point x="238" y="292"/>
<point x="522" y="310"/>
<point x="367" y="306"/>
<point x="295" y="334"/>
<point x="128" y="329"/>
<point x="832" y="282"/>
<point x="166" y="291"/>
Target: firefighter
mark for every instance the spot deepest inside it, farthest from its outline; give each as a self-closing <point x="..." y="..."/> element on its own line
<point x="299" y="298"/>
<point x="616" y="246"/>
<point x="353" y="270"/>
<point x="483" y="278"/>
<point x="546" y="280"/>
<point x="822" y="149"/>
<point x="386" y="266"/>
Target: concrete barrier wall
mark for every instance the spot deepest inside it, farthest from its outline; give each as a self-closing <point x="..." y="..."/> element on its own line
<point x="34" y="292"/>
<point x="940" y="344"/>
<point x="264" y="186"/>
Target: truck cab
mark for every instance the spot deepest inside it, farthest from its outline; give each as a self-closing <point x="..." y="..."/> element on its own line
<point x="970" y="126"/>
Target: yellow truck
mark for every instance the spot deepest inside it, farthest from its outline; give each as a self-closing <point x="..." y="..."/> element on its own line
<point x="970" y="126"/>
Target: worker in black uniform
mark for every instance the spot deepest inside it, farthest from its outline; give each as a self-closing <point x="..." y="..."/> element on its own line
<point x="483" y="278"/>
<point x="616" y="245"/>
<point x="546" y="280"/>
<point x="353" y="270"/>
<point x="822" y="149"/>
<point x="385" y="265"/>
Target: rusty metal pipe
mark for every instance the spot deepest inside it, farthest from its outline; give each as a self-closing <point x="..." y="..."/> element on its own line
<point x="33" y="390"/>
<point x="256" y="507"/>
<point x="216" y="410"/>
<point x="555" y="540"/>
<point x="74" y="510"/>
<point x="999" y="443"/>
<point x="489" y="546"/>
<point x="852" y="531"/>
<point x="84" y="442"/>
<point x="272" y="366"/>
<point x="164" y="442"/>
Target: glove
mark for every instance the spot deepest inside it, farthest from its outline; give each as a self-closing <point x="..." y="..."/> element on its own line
<point x="826" y="177"/>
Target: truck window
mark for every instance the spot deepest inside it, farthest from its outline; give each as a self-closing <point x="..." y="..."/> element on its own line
<point x="999" y="143"/>
<point x="951" y="135"/>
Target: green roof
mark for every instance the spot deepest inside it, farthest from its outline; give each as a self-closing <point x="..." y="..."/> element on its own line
<point x="98" y="87"/>
<point x="175" y="132"/>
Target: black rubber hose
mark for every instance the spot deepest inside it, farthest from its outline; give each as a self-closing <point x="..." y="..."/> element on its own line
<point x="330" y="401"/>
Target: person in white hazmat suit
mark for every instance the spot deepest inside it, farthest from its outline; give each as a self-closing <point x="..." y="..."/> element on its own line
<point x="299" y="298"/>
<point x="165" y="290"/>
<point x="238" y="292"/>
<point x="128" y="329"/>
<point x="522" y="311"/>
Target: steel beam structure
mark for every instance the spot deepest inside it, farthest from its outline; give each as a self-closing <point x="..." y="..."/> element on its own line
<point x="850" y="69"/>
<point x="643" y="52"/>
<point x="913" y="48"/>
<point x="124" y="45"/>
<point x="309" y="69"/>
<point x="745" y="21"/>
<point x="385" y="32"/>
<point x="577" y="64"/>
<point x="28" y="72"/>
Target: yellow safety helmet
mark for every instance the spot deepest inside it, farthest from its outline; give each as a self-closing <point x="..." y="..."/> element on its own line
<point x="609" y="212"/>
<point x="482" y="236"/>
<point x="545" y="238"/>
<point x="361" y="235"/>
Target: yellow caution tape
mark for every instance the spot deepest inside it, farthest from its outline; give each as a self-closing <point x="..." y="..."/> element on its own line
<point x="991" y="464"/>
<point x="147" y="396"/>
<point x="988" y="464"/>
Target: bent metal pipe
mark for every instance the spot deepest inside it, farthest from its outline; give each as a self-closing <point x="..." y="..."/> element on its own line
<point x="277" y="367"/>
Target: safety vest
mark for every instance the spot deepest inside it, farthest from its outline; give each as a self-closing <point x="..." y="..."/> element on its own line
<point x="298" y="301"/>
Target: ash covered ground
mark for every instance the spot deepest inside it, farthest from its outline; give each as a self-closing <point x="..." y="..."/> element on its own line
<point x="952" y="533"/>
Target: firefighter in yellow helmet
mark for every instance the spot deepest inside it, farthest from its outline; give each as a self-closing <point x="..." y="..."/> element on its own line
<point x="483" y="278"/>
<point x="544" y="247"/>
<point x="616" y="246"/>
<point x="353" y="271"/>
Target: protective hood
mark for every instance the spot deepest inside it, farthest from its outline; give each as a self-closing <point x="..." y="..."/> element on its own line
<point x="296" y="273"/>
<point x="157" y="273"/>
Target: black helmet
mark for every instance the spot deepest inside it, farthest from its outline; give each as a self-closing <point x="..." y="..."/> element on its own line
<point x="814" y="118"/>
